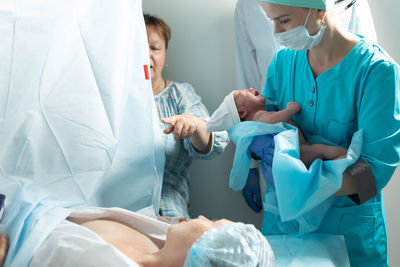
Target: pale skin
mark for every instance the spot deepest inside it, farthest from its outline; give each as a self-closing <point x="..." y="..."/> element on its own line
<point x="4" y="243"/>
<point x="335" y="45"/>
<point x="148" y="251"/>
<point x="144" y="250"/>
<point x="251" y="106"/>
<point x="184" y="126"/>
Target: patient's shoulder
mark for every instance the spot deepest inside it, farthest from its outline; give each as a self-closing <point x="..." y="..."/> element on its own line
<point x="128" y="240"/>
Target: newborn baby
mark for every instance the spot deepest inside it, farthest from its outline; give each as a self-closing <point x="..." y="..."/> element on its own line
<point x="249" y="105"/>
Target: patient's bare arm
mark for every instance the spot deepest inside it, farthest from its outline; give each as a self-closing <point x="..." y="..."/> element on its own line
<point x="3" y="248"/>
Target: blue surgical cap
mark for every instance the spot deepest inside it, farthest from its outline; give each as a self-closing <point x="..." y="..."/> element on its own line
<point x="233" y="245"/>
<point x="317" y="4"/>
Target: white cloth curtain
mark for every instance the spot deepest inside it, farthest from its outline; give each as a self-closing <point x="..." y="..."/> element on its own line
<point x="77" y="115"/>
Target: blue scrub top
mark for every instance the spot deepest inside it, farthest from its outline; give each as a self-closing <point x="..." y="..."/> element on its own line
<point x="361" y="92"/>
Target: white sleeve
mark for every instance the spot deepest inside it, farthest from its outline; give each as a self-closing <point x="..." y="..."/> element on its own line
<point x="361" y="21"/>
<point x="245" y="62"/>
<point x="254" y="44"/>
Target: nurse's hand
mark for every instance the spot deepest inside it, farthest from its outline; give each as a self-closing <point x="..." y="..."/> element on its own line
<point x="251" y="191"/>
<point x="183" y="126"/>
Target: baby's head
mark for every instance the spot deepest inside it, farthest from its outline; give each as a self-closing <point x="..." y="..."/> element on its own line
<point x="248" y="102"/>
<point x="238" y="106"/>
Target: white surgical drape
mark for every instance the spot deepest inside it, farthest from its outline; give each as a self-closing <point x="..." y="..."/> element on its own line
<point x="77" y="115"/>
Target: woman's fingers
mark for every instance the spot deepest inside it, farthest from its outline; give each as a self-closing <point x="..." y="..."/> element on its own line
<point x="171" y="122"/>
<point x="182" y="126"/>
<point x="169" y="129"/>
<point x="190" y="131"/>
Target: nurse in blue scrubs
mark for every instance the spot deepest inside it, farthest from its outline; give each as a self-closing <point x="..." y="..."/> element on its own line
<point x="343" y="83"/>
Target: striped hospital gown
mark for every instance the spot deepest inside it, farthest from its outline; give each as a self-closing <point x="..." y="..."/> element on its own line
<point x="180" y="98"/>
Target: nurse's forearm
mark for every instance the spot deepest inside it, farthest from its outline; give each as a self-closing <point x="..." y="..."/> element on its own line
<point x="348" y="186"/>
<point x="358" y="183"/>
<point x="201" y="140"/>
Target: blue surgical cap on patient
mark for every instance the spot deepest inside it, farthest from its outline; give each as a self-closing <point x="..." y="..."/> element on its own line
<point x="236" y="244"/>
<point x="317" y="4"/>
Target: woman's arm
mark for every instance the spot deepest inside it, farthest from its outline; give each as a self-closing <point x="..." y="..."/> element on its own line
<point x="201" y="140"/>
<point x="199" y="144"/>
<point x="358" y="182"/>
<point x="378" y="116"/>
<point x="348" y="186"/>
<point x="188" y="126"/>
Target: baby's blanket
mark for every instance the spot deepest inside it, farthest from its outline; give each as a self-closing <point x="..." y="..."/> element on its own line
<point x="301" y="194"/>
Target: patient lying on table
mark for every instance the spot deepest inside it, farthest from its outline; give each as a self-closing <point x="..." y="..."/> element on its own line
<point x="148" y="251"/>
<point x="198" y="242"/>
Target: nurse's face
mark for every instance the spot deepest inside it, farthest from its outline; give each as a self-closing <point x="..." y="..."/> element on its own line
<point x="288" y="17"/>
<point x="157" y="52"/>
<point x="248" y="101"/>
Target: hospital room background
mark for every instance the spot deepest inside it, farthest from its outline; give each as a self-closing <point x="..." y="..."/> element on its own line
<point x="201" y="52"/>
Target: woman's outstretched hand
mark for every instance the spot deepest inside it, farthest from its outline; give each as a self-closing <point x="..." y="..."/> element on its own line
<point x="183" y="126"/>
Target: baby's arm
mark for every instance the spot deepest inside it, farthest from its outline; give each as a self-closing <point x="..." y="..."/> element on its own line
<point x="308" y="153"/>
<point x="283" y="115"/>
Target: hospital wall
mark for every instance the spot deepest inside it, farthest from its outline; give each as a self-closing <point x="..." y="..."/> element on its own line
<point x="201" y="53"/>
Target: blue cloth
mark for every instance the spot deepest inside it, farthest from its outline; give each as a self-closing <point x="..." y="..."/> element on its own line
<point x="361" y="92"/>
<point x="317" y="4"/>
<point x="300" y="207"/>
<point x="263" y="147"/>
<point x="176" y="99"/>
<point x="315" y="249"/>
<point x="242" y="135"/>
<point x="30" y="216"/>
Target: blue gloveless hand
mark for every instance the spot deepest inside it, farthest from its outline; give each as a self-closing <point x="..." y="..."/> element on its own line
<point x="251" y="191"/>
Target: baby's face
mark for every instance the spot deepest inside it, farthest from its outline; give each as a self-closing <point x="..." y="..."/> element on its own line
<point x="248" y="100"/>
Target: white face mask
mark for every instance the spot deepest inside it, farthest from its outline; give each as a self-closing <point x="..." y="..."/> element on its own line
<point x="298" y="38"/>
